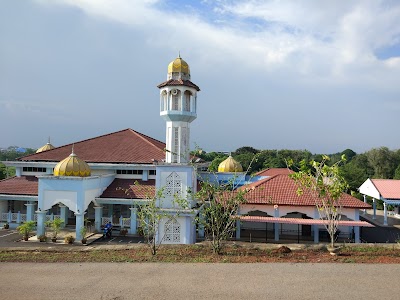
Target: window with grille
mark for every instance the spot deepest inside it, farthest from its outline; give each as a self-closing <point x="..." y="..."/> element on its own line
<point x="175" y="102"/>
<point x="173" y="185"/>
<point x="176" y="145"/>
<point x="172" y="231"/>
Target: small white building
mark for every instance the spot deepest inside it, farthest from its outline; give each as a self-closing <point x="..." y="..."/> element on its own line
<point x="387" y="190"/>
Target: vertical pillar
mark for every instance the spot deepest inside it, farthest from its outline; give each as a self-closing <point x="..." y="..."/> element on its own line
<point x="316" y="227"/>
<point x="98" y="214"/>
<point x="133" y="229"/>
<point x="357" y="228"/>
<point x="19" y="217"/>
<point x="41" y="220"/>
<point x="385" y="214"/>
<point x="80" y="222"/>
<point x="110" y="211"/>
<point x="29" y="211"/>
<point x="9" y="219"/>
<point x="145" y="175"/>
<point x="18" y="172"/>
<point x="237" y="230"/>
<point x="276" y="215"/>
<point x="63" y="214"/>
<point x="374" y="206"/>
<point x="365" y="201"/>
<point x="238" y="225"/>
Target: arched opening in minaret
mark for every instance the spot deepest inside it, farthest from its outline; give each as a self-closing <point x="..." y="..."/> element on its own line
<point x="164" y="101"/>
<point x="187" y="100"/>
<point x="175" y="103"/>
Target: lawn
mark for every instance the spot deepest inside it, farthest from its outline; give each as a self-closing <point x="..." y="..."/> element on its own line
<point x="202" y="253"/>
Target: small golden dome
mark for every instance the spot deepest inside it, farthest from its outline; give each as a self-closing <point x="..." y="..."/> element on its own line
<point x="230" y="165"/>
<point x="46" y="147"/>
<point x="179" y="65"/>
<point x="72" y="166"/>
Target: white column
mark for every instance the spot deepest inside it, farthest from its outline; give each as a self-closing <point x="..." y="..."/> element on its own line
<point x="9" y="219"/>
<point x="63" y="214"/>
<point x="357" y="228"/>
<point x="80" y="222"/>
<point x="276" y="215"/>
<point x="98" y="214"/>
<point x="18" y="172"/>
<point x="41" y="219"/>
<point x="30" y="207"/>
<point x="385" y="214"/>
<point x="374" y="206"/>
<point x="316" y="227"/>
<point x="19" y="217"/>
<point x="133" y="229"/>
<point x="365" y="201"/>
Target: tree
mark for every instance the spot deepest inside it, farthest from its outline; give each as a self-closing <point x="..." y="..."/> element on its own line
<point x="219" y="204"/>
<point x="326" y="186"/>
<point x="213" y="167"/>
<point x="26" y="228"/>
<point x="383" y="161"/>
<point x="397" y="173"/>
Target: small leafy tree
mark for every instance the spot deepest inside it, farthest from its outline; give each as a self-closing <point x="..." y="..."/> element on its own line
<point x="220" y="204"/>
<point x="26" y="228"/>
<point x="55" y="225"/>
<point x="326" y="186"/>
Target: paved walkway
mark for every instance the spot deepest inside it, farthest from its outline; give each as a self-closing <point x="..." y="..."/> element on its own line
<point x="393" y="220"/>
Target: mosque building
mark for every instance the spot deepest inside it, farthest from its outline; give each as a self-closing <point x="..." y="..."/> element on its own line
<point x="109" y="177"/>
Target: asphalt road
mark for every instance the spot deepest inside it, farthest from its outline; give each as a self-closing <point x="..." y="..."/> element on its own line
<point x="120" y="281"/>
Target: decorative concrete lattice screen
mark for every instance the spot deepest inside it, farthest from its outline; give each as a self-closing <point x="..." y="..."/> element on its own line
<point x="172" y="231"/>
<point x="173" y="185"/>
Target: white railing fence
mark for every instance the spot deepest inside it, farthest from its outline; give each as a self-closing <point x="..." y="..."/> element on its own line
<point x="122" y="222"/>
<point x="18" y="218"/>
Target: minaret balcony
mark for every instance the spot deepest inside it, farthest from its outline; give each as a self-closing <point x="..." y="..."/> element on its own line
<point x="178" y="115"/>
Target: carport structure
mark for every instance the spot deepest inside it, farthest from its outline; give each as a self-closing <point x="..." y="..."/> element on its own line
<point x="387" y="190"/>
<point x="299" y="221"/>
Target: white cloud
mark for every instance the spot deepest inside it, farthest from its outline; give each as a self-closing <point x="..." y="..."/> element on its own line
<point x="309" y="38"/>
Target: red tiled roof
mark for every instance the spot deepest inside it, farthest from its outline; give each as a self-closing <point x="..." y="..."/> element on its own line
<point x="274" y="171"/>
<point x="125" y="146"/>
<point x="301" y="221"/>
<point x="388" y="188"/>
<point x="282" y="190"/>
<point x="173" y="82"/>
<point x="24" y="185"/>
<point x="127" y="189"/>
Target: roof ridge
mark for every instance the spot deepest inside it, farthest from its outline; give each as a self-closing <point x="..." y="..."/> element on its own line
<point x="5" y="179"/>
<point x="261" y="181"/>
<point x="97" y="137"/>
<point x="142" y="136"/>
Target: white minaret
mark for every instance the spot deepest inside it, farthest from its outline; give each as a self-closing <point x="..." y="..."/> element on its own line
<point x="178" y="104"/>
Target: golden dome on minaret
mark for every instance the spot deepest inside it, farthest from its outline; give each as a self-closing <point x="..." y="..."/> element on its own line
<point x="72" y="166"/>
<point x="46" y="147"/>
<point x="179" y="65"/>
<point x="230" y="165"/>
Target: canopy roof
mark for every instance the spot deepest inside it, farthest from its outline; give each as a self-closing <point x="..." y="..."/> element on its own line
<point x="301" y="221"/>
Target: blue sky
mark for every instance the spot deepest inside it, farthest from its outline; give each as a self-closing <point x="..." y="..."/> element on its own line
<point x="322" y="76"/>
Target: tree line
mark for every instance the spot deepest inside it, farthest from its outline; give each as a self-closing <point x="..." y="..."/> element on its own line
<point x="376" y="163"/>
<point x="11" y="153"/>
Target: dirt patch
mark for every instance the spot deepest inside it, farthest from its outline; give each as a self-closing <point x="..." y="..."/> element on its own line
<point x="202" y="253"/>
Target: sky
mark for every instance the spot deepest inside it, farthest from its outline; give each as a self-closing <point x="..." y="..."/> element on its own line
<point x="317" y="75"/>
